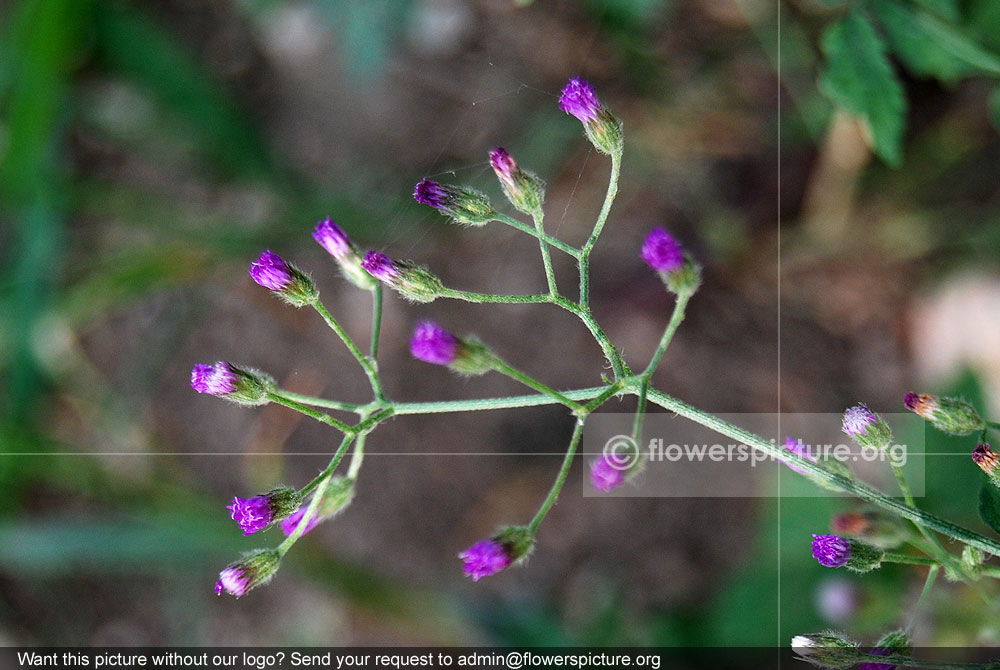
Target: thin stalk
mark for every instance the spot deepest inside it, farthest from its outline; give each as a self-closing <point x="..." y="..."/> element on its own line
<point x="310" y="412"/>
<point x="550" y="276"/>
<point x="928" y="585"/>
<point x="318" y="402"/>
<point x="550" y="499"/>
<point x="668" y="334"/>
<point x="364" y="361"/>
<point x="357" y="457"/>
<point x="471" y="296"/>
<point x="584" y="258"/>
<point x="839" y="482"/>
<point x="937" y="549"/>
<point x="551" y="241"/>
<point x="481" y="404"/>
<point x="376" y="322"/>
<point x="610" y="352"/>
<point x="503" y="367"/>
<point x="319" y="484"/>
<point x="909" y="560"/>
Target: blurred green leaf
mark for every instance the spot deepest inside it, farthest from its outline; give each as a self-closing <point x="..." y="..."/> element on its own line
<point x="989" y="504"/>
<point x="945" y="8"/>
<point x="932" y="46"/>
<point x="858" y="78"/>
<point x="129" y="43"/>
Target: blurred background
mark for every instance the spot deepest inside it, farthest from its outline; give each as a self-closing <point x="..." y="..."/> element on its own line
<point x="151" y="150"/>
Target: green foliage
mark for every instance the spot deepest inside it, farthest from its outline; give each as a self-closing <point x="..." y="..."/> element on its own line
<point x="859" y="79"/>
<point x="989" y="504"/>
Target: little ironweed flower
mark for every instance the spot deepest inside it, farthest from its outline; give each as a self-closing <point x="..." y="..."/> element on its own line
<point x="338" y="495"/>
<point x="664" y="254"/>
<point x="433" y="344"/>
<point x="866" y="427"/>
<point x="949" y="415"/>
<point x="332" y="237"/>
<point x="252" y="570"/>
<point x="829" y="649"/>
<point x="409" y="280"/>
<point x="259" y="512"/>
<point x="833" y="551"/>
<point x="244" y="386"/>
<point x="523" y="189"/>
<point x="284" y="279"/>
<point x="464" y="205"/>
<point x="488" y="557"/>
<point x="988" y="460"/>
<point x="603" y="130"/>
<point x="605" y="475"/>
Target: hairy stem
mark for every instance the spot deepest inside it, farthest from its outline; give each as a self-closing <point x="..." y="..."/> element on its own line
<point x="551" y="241"/>
<point x="550" y="499"/>
<point x="310" y="412"/>
<point x="584" y="258"/>
<point x="668" y="334"/>
<point x="366" y="364"/>
<point x="550" y="276"/>
<point x="319" y="484"/>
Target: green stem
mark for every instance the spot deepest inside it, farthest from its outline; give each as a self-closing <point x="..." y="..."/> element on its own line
<point x="376" y="322"/>
<point x="319" y="484"/>
<point x="551" y="241"/>
<point x="503" y="367"/>
<point x="610" y="352"/>
<point x="310" y="412"/>
<point x="909" y="560"/>
<point x="550" y="276"/>
<point x="550" y="499"/>
<point x="584" y="258"/>
<point x="937" y="549"/>
<point x="668" y="334"/>
<point x="817" y="471"/>
<point x="364" y="361"/>
<point x="357" y="457"/>
<point x="470" y="296"/>
<point x="928" y="585"/>
<point x="479" y="404"/>
<point x="318" y="402"/>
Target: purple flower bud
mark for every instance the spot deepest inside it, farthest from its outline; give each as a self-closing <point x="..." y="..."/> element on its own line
<point x="858" y="419"/>
<point x="578" y="98"/>
<point x="661" y="251"/>
<point x="921" y="403"/>
<point x="605" y="475"/>
<point x="878" y="666"/>
<point x="523" y="189"/>
<point x="431" y="193"/>
<point x="503" y="165"/>
<point x="338" y="495"/>
<point x="433" y="344"/>
<point x="799" y="448"/>
<point x="831" y="551"/>
<point x="251" y="514"/>
<point x="332" y="237"/>
<point x="271" y="271"/>
<point x="252" y="570"/>
<point x="987" y="459"/>
<point x="216" y="379"/>
<point x="380" y="266"/>
<point x="485" y="558"/>
<point x="234" y="580"/>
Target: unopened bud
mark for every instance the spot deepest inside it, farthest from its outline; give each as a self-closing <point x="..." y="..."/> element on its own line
<point x="829" y="649"/>
<point x="873" y="527"/>
<point x="464" y="205"/>
<point x="259" y="512"/>
<point x="664" y="254"/>
<point x="866" y="427"/>
<point x="252" y="570"/>
<point x="603" y="130"/>
<point x="284" y="279"/>
<point x="524" y="189"/>
<point x="988" y="460"/>
<point x="433" y="344"/>
<point x="488" y="557"/>
<point x="332" y="237"/>
<point x="833" y="551"/>
<point x="409" y="280"/>
<point x="949" y="415"/>
<point x="244" y="386"/>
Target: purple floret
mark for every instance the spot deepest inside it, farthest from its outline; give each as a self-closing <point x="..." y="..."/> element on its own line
<point x="578" y="98"/>
<point x="217" y="379"/>
<point x="502" y="163"/>
<point x="433" y="344"/>
<point x="251" y="514"/>
<point x="233" y="580"/>
<point x="430" y="193"/>
<point x="289" y="525"/>
<point x="661" y="251"/>
<point x="380" y="266"/>
<point x="270" y="271"/>
<point x="484" y="558"/>
<point x="831" y="551"/>
<point x="604" y="475"/>
<point x="798" y="448"/>
<point x="858" y="419"/>
<point x="332" y="237"/>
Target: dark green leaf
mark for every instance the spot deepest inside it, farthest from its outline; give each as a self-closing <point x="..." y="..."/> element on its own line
<point x="859" y="79"/>
<point x="989" y="505"/>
